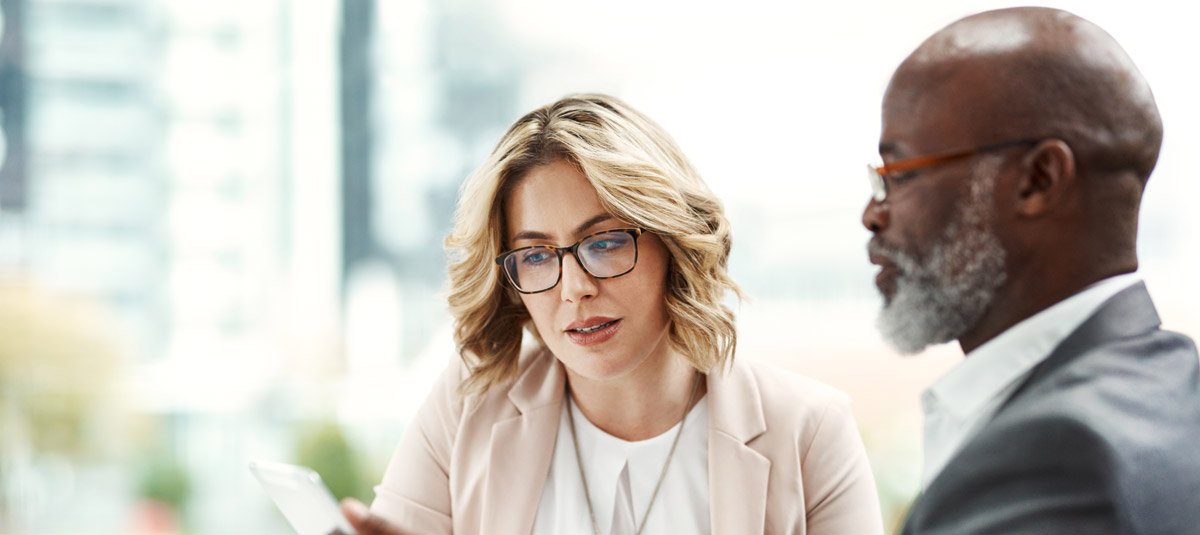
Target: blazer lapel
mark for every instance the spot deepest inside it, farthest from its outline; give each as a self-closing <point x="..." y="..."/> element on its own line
<point x="521" y="449"/>
<point x="737" y="474"/>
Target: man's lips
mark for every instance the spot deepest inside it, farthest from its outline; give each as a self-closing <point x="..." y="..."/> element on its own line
<point x="888" y="271"/>
<point x="880" y="260"/>
<point x="886" y="277"/>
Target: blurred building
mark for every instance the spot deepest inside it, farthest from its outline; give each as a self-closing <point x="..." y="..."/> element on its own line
<point x="150" y="166"/>
<point x="12" y="110"/>
<point x="13" y="176"/>
<point x="89" y="188"/>
<point x="447" y="82"/>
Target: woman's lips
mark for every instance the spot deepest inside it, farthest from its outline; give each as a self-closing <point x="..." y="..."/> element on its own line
<point x="596" y="334"/>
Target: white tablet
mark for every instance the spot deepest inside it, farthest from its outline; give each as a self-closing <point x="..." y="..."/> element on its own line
<point x="302" y="497"/>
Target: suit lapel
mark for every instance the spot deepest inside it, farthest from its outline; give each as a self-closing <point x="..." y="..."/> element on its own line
<point x="737" y="474"/>
<point x="522" y="448"/>
<point x="907" y="529"/>
<point x="1128" y="313"/>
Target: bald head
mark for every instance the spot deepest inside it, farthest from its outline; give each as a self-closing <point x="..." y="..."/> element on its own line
<point x="1039" y="73"/>
<point x="1046" y="117"/>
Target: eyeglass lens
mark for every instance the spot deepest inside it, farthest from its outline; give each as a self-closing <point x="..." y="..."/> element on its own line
<point x="603" y="255"/>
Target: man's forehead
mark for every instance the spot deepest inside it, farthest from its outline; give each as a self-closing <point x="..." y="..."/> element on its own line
<point x="919" y="93"/>
<point x="939" y="110"/>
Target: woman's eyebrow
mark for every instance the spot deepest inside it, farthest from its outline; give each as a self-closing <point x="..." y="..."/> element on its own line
<point x="595" y="220"/>
<point x="535" y="235"/>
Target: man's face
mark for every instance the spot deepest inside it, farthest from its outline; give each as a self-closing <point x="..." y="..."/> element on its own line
<point x="941" y="261"/>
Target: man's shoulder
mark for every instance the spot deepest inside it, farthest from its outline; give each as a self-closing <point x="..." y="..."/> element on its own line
<point x="1122" y="394"/>
<point x="1117" y="387"/>
<point x="1114" y="427"/>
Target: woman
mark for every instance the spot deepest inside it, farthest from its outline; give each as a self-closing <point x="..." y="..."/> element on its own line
<point x="625" y="411"/>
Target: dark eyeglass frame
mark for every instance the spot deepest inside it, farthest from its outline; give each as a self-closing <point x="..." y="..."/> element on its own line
<point x="563" y="250"/>
<point x="877" y="174"/>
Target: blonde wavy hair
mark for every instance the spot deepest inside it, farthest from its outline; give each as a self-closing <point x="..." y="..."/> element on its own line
<point x="641" y="177"/>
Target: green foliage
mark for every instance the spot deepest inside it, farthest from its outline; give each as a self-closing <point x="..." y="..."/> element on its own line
<point x="324" y="448"/>
<point x="164" y="479"/>
<point x="56" y="367"/>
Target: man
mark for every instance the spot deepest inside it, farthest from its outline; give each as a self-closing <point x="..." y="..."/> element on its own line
<point x="1017" y="144"/>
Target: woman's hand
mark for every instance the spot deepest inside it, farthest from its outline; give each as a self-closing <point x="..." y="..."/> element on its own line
<point x="364" y="522"/>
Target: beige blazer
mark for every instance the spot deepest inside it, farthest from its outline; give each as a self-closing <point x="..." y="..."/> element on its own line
<point x="784" y="455"/>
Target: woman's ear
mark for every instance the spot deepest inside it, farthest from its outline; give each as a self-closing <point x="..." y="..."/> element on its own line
<point x="1048" y="173"/>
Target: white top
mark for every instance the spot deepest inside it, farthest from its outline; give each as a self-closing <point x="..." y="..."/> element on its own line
<point x="621" y="476"/>
<point x="969" y="395"/>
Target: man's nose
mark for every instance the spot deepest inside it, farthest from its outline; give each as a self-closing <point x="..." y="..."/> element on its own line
<point x="876" y="215"/>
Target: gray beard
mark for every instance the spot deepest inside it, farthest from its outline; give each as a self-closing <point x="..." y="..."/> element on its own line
<point x="941" y="298"/>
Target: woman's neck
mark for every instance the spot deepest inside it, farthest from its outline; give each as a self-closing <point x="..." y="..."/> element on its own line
<point x="642" y="404"/>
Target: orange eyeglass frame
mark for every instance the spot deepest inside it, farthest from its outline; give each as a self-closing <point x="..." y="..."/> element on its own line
<point x="876" y="174"/>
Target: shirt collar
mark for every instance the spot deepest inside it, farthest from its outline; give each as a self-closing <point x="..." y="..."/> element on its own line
<point x="968" y="387"/>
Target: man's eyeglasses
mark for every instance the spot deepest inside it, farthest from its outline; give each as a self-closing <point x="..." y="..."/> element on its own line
<point x="603" y="255"/>
<point x="879" y="175"/>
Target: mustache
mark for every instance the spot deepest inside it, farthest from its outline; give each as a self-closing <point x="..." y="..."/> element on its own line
<point x="904" y="261"/>
<point x="876" y="247"/>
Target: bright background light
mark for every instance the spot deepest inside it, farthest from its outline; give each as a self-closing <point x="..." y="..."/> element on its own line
<point x="176" y="295"/>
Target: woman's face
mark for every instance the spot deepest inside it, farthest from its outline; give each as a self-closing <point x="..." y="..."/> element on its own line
<point x="599" y="328"/>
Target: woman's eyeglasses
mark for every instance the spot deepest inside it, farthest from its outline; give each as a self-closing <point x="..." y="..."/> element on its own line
<point x="603" y="255"/>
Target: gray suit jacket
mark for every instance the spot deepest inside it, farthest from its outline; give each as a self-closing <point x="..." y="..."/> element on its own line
<point x="1103" y="437"/>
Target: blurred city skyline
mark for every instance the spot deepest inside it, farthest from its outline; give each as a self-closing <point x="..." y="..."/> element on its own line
<point x="229" y="215"/>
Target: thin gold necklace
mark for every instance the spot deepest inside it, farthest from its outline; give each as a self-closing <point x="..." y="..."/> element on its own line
<point x="657" y="486"/>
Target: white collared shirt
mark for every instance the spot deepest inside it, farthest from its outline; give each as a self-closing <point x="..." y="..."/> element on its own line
<point x="622" y="475"/>
<point x="971" y="393"/>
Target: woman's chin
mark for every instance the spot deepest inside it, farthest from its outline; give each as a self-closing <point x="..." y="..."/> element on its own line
<point x="596" y="365"/>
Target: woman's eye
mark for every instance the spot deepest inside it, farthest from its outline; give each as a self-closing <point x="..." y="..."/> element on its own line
<point x="608" y="244"/>
<point x="534" y="257"/>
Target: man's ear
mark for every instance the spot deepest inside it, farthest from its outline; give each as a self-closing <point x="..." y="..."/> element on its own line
<point x="1049" y="173"/>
